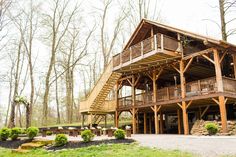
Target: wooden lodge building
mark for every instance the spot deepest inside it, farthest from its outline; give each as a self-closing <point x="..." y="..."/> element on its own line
<point x="175" y="77"/>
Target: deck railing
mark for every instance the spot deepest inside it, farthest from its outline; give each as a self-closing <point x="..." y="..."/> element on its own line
<point x="195" y="88"/>
<point x="158" y="41"/>
<point x="229" y="85"/>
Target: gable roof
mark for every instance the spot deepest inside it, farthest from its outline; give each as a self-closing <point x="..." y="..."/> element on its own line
<point x="213" y="41"/>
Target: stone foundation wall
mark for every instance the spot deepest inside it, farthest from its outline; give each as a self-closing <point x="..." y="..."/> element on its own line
<point x="199" y="129"/>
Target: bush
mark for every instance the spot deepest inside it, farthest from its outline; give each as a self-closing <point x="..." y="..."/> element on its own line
<point x="48" y="133"/>
<point x="87" y="135"/>
<point x="212" y="128"/>
<point x="14" y="133"/>
<point x="60" y="140"/>
<point x="4" y="134"/>
<point x="23" y="131"/>
<point x="119" y="134"/>
<point x="32" y="132"/>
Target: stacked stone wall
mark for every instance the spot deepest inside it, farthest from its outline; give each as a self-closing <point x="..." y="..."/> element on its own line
<point x="199" y="128"/>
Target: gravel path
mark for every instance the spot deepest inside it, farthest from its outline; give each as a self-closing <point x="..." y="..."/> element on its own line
<point x="206" y="146"/>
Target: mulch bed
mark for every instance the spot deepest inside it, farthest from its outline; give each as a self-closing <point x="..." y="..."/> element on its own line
<point x="13" y="144"/>
<point x="79" y="144"/>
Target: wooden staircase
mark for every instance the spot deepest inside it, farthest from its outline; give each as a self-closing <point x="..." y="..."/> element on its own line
<point x="97" y="96"/>
<point x="97" y="119"/>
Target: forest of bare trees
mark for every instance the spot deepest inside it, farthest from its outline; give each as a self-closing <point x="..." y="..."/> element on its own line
<point x="54" y="51"/>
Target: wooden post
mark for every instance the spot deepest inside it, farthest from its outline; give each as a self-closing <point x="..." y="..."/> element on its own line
<point x="137" y="123"/>
<point x="105" y="119"/>
<point x="144" y="122"/>
<point x="156" y="120"/>
<point x="219" y="82"/>
<point x="90" y="117"/>
<point x="117" y="119"/>
<point x="180" y="48"/>
<point x="183" y="95"/>
<point x="154" y="101"/>
<point x="219" y="79"/>
<point x="133" y="121"/>
<point x="152" y="41"/>
<point x="223" y="113"/>
<point x="133" y="104"/>
<point x="234" y="62"/>
<point x="154" y="87"/>
<point x="117" y="104"/>
<point x="82" y="120"/>
<point x="179" y="121"/>
<point x="161" y="122"/>
<point x="162" y="42"/>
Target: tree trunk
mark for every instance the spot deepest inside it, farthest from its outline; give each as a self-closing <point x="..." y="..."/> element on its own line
<point x="10" y="94"/>
<point x="30" y="105"/>
<point x="57" y="98"/>
<point x="69" y="105"/>
<point x="47" y="88"/>
<point x="16" y="84"/>
<point x="225" y="63"/>
<point x="222" y="20"/>
<point x="27" y="112"/>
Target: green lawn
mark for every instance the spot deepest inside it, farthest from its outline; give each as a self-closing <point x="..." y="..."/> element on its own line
<point x="112" y="150"/>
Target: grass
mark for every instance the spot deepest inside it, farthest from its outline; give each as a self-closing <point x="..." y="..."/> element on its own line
<point x="113" y="150"/>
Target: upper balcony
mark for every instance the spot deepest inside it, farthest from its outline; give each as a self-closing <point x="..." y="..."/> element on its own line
<point x="166" y="95"/>
<point x="148" y="51"/>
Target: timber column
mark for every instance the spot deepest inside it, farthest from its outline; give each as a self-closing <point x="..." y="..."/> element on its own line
<point x="145" y="123"/>
<point x="183" y="95"/>
<point x="154" y="78"/>
<point x="220" y="88"/>
<point x="133" y="104"/>
<point x="117" y="105"/>
<point x="156" y="109"/>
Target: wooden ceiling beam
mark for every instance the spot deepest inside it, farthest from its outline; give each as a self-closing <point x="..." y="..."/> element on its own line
<point x="198" y="53"/>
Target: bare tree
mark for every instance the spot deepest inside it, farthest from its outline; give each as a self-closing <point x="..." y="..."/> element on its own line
<point x="225" y="7"/>
<point x="57" y="97"/>
<point x="73" y="52"/>
<point x="139" y="9"/>
<point x="10" y="78"/>
<point x="28" y="38"/>
<point x="4" y="5"/>
<point x="107" y="44"/>
<point x="57" y="22"/>
<point x="16" y="85"/>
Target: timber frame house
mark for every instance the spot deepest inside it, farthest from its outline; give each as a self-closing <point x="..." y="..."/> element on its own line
<point x="173" y="75"/>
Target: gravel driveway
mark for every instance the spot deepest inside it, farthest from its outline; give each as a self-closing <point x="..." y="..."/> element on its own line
<point x="206" y="146"/>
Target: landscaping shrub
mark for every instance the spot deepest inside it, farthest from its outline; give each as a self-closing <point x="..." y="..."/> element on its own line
<point x="49" y="133"/>
<point x="23" y="131"/>
<point x="119" y="134"/>
<point x="87" y="135"/>
<point x="60" y="140"/>
<point x="212" y="128"/>
<point x="14" y="133"/>
<point x="32" y="132"/>
<point x="4" y="134"/>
